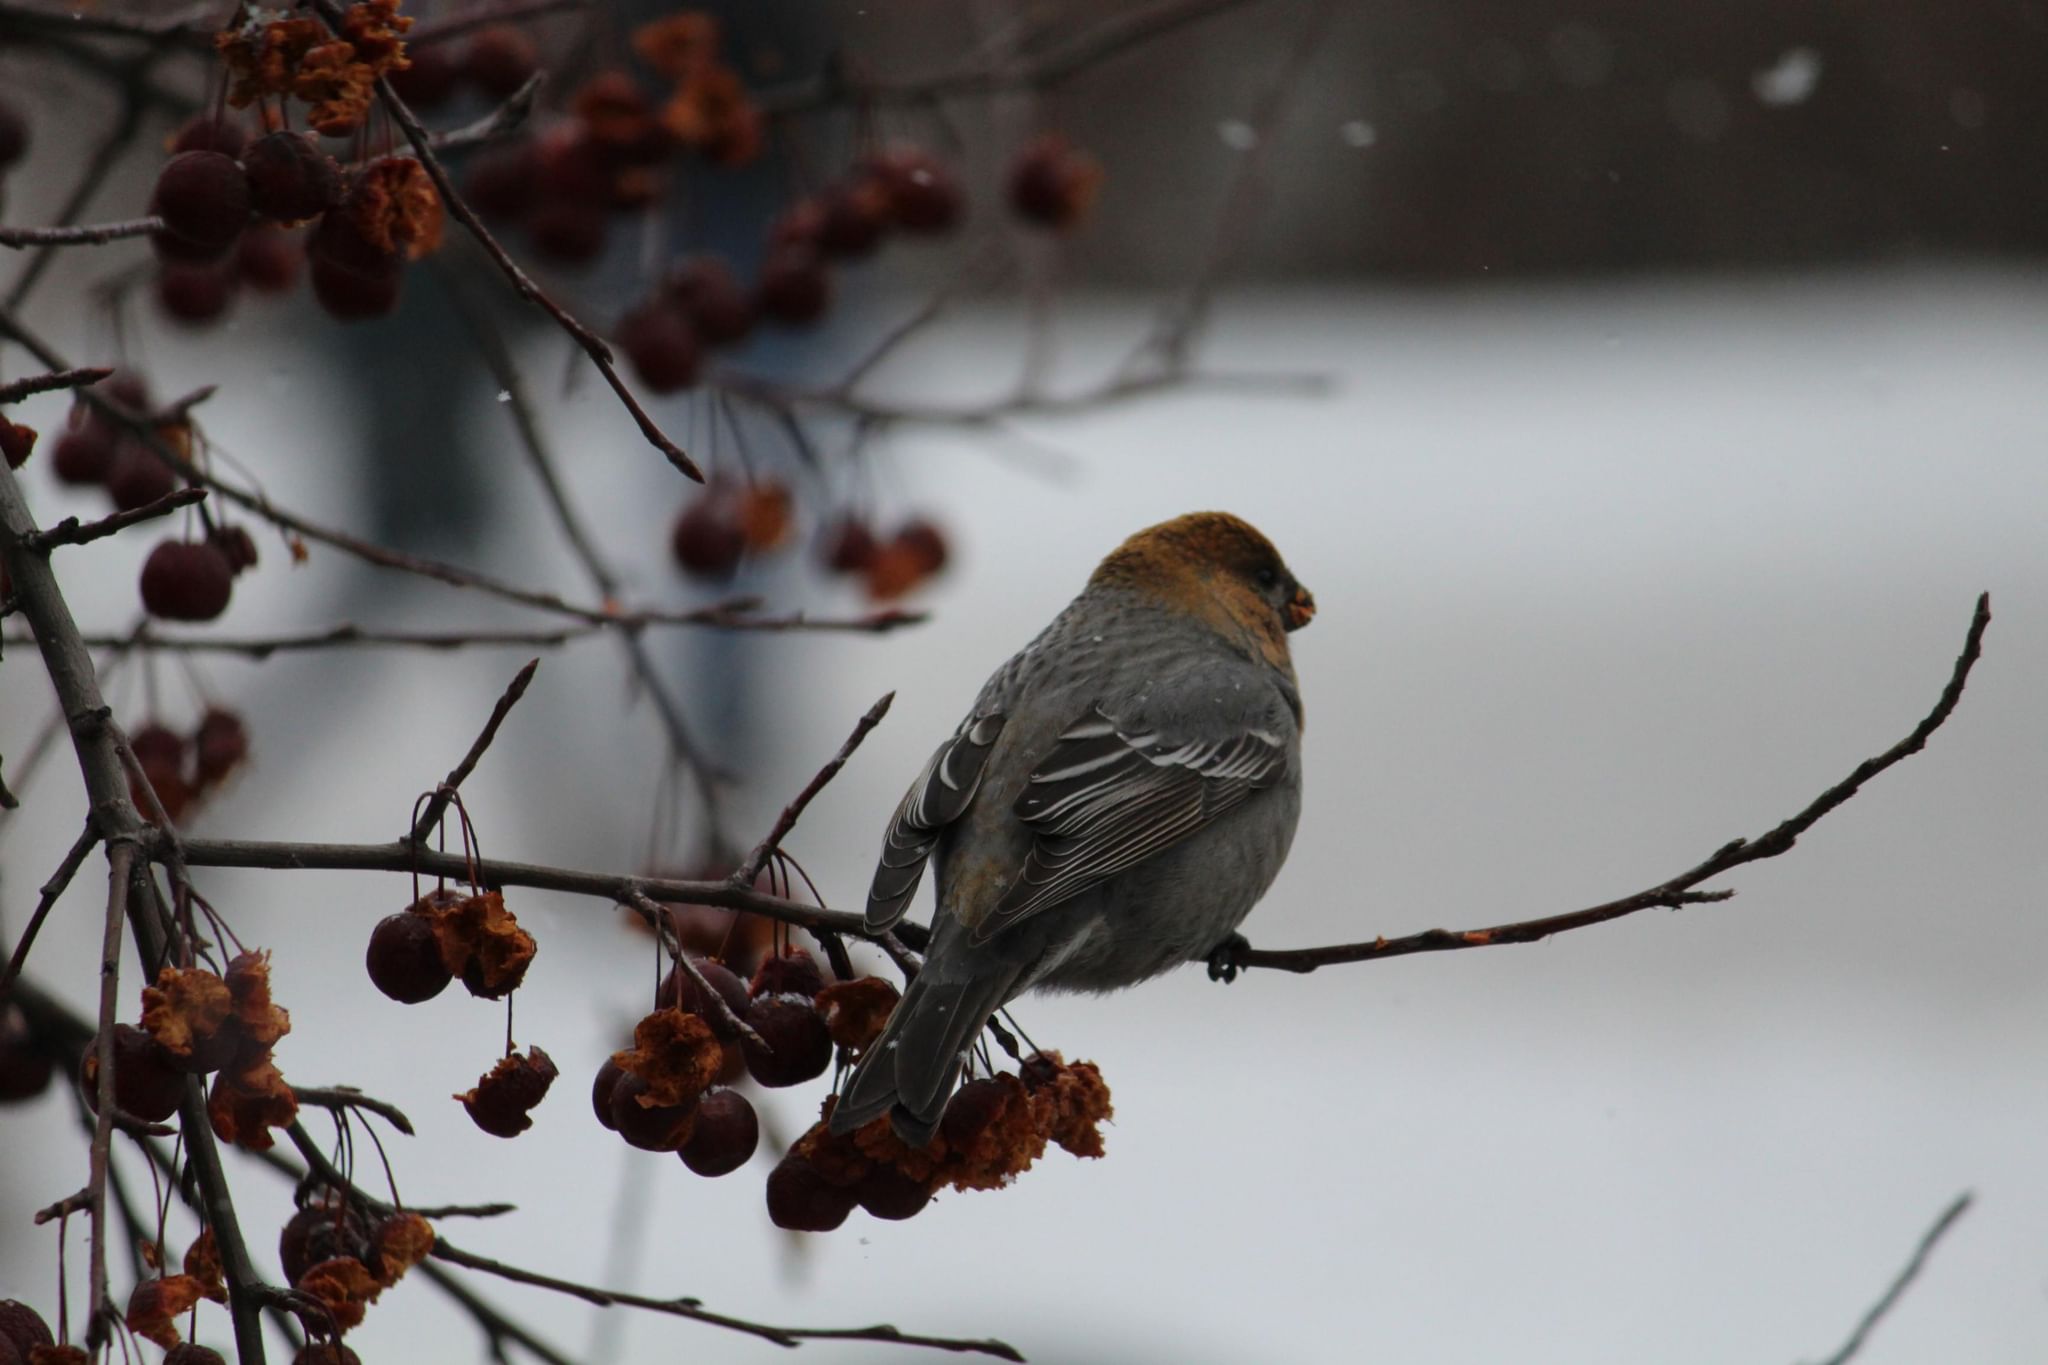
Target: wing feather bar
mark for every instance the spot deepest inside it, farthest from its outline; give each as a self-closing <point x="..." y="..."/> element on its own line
<point x="940" y="795"/>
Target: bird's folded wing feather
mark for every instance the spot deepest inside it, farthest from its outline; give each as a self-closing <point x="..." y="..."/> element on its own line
<point x="1107" y="797"/>
<point x="934" y="801"/>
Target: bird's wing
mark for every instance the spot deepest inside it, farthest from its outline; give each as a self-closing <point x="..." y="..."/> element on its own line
<point x="1109" y="796"/>
<point x="938" y="797"/>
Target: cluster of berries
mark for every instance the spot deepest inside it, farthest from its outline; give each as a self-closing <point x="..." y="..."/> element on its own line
<point x="185" y="769"/>
<point x="729" y="521"/>
<point x="196" y="1022"/>
<point x="993" y="1130"/>
<point x="342" y="1256"/>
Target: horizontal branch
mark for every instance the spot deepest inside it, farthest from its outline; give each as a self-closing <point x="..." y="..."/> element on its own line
<point x="71" y="531"/>
<point x="81" y="234"/>
<point x="1671" y="894"/>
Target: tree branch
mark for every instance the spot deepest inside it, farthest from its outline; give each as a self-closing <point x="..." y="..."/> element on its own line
<point x="437" y="805"/>
<point x="747" y="871"/>
<point x="84" y="234"/>
<point x="70" y="532"/>
<point x="52" y="890"/>
<point x="31" y="385"/>
<point x="1890" y="1298"/>
<point x="1675" y="892"/>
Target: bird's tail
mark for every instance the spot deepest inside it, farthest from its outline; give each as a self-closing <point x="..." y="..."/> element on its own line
<point x="910" y="1071"/>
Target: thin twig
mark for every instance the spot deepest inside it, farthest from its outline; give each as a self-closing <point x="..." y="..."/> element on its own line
<point x="52" y="890"/>
<point x="71" y="532"/>
<point x="1892" y="1293"/>
<point x="1675" y="892"/>
<point x="83" y="234"/>
<point x="120" y="870"/>
<point x="747" y="871"/>
<point x="437" y="805"/>
<point x="30" y="385"/>
<point x="341" y="1098"/>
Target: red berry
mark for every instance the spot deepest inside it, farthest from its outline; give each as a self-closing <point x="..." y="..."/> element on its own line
<point x="83" y="455"/>
<point x="17" y="442"/>
<point x="194" y="293"/>
<point x="186" y="581"/>
<point x="924" y="197"/>
<point x="127" y="388"/>
<point x="800" y="1199"/>
<point x="404" y="959"/>
<point x="568" y="232"/>
<point x="203" y="198"/>
<point x="1052" y="184"/>
<point x="268" y="260"/>
<point x="658" y="339"/>
<point x="606" y="1081"/>
<point x="23" y="1328"/>
<point x="430" y="78"/>
<point x="725" y="1136"/>
<point x="500" y="58"/>
<point x="790" y="972"/>
<point x="25" y="1068"/>
<point x="657" y="1128"/>
<point x="847" y="545"/>
<point x="679" y="990"/>
<point x="925" y="541"/>
<point x="500" y="183"/>
<point x="326" y="1353"/>
<point x="856" y="215"/>
<point x="888" y="1193"/>
<point x="191" y="1353"/>
<point x="146" y="1086"/>
<point x="205" y="133"/>
<point x="707" y="541"/>
<point x="13" y="141"/>
<point x="220" y="744"/>
<point x="290" y="178"/>
<point x="705" y="288"/>
<point x="793" y="287"/>
<point x="338" y="241"/>
<point x="798" y="1045"/>
<point x="138" y="477"/>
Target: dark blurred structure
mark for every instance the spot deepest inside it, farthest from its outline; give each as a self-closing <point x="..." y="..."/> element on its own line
<point x="1471" y="138"/>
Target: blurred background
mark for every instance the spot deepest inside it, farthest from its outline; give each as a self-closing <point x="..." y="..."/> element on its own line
<point x="1646" y="392"/>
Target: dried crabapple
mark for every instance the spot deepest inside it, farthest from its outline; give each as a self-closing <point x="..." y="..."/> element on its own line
<point x="795" y="1045"/>
<point x="801" y="1199"/>
<point x="889" y="1194"/>
<point x="267" y="259"/>
<point x="191" y="1353"/>
<point x="25" y="1069"/>
<point x="679" y="990"/>
<point x="240" y="549"/>
<point x="1052" y="183"/>
<point x="856" y="1011"/>
<point x="705" y="288"/>
<point x="503" y="1096"/>
<point x="186" y="581"/>
<point x="707" y="541"/>
<point x="790" y="972"/>
<point x="725" y="1135"/>
<point x="765" y="511"/>
<point x="662" y="345"/>
<point x="924" y="196"/>
<point x="429" y="78"/>
<point x="325" y="1229"/>
<point x="221" y="743"/>
<point x="601" y="1087"/>
<point x="404" y="959"/>
<point x="195" y="293"/>
<point x="205" y="133"/>
<point x="290" y="178"/>
<point x="146" y="1085"/>
<point x="84" y="455"/>
<point x="203" y="199"/>
<point x="793" y="286"/>
<point x="925" y="541"/>
<point x="846" y="545"/>
<point x="500" y="59"/>
<point x="856" y="214"/>
<point x="23" y="1328"/>
<point x="351" y="296"/>
<point x="137" y="477"/>
<point x="651" y="1128"/>
<point x="17" y="442"/>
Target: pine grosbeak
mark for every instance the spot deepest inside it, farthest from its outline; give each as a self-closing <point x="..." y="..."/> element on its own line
<point x="1124" y="790"/>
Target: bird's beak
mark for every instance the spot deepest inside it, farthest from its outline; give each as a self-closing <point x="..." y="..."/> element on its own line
<point x="1301" y="608"/>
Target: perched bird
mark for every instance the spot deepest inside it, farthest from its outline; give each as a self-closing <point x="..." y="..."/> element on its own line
<point x="1124" y="790"/>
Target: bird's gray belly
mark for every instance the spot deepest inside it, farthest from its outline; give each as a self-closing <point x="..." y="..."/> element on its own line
<point x="1174" y="907"/>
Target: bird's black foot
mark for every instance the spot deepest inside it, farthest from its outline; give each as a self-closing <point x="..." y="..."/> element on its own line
<point x="1225" y="961"/>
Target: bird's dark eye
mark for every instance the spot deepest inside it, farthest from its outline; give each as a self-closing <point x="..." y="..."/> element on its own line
<point x="1269" y="578"/>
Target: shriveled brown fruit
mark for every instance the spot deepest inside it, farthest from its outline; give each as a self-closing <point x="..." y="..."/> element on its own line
<point x="399" y="1242"/>
<point x="856" y="1011"/>
<point x="189" y="1012"/>
<point x="324" y="1229"/>
<point x="482" y="943"/>
<point x="248" y="1100"/>
<point x="650" y="1127"/>
<point x="502" y="1100"/>
<point x="155" y="1306"/>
